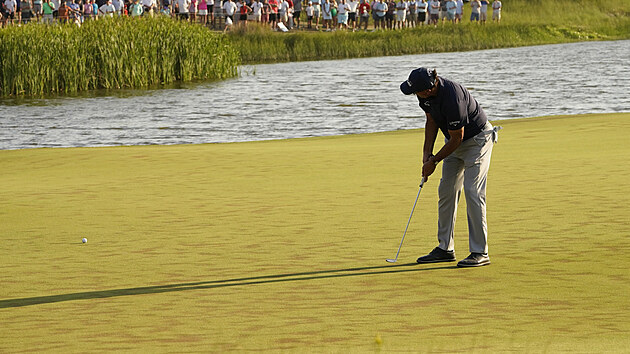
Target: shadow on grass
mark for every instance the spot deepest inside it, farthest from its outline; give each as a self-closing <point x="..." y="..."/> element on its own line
<point x="263" y="279"/>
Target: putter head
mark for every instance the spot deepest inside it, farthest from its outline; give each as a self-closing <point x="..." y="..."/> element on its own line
<point x="391" y="260"/>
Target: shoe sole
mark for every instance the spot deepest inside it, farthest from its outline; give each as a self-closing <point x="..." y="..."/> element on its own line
<point x="472" y="265"/>
<point x="436" y="261"/>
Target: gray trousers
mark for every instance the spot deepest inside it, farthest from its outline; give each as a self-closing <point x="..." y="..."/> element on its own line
<point x="466" y="168"/>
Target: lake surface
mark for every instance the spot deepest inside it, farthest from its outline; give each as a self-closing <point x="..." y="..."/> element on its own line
<point x="331" y="97"/>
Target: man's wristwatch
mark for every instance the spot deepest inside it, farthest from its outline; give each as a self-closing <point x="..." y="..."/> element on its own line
<point x="435" y="161"/>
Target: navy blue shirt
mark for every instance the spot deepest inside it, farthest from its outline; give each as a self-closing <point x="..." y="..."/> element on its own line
<point x="453" y="108"/>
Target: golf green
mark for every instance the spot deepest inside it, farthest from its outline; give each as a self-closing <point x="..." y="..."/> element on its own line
<point x="281" y="246"/>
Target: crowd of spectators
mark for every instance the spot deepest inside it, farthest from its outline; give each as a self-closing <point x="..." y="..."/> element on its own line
<point x="15" y="12"/>
<point x="285" y="15"/>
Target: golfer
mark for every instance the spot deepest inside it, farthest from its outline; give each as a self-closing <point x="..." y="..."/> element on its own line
<point x="450" y="108"/>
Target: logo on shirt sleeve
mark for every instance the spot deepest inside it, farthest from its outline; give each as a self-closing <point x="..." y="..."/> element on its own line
<point x="453" y="124"/>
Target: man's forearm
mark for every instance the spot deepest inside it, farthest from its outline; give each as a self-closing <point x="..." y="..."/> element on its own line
<point x="455" y="140"/>
<point x="430" y="134"/>
<point x="448" y="148"/>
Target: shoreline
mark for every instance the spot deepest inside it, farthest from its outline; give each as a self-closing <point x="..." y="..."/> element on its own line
<point x="261" y="47"/>
<point x="387" y="132"/>
<point x="438" y="52"/>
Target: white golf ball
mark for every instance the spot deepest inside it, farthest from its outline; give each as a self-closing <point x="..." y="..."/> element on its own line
<point x="84" y="240"/>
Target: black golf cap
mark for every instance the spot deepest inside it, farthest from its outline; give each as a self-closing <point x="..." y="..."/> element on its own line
<point x="419" y="80"/>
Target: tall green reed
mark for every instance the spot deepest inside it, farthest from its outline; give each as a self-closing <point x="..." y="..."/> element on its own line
<point x="110" y="54"/>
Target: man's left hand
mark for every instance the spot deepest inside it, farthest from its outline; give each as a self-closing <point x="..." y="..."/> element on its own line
<point x="428" y="168"/>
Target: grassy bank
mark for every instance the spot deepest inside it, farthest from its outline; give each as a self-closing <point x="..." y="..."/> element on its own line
<point x="281" y="245"/>
<point x="525" y="22"/>
<point x="110" y="54"/>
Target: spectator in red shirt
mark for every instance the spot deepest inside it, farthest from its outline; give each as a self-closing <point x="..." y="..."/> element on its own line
<point x="364" y="14"/>
<point x="273" y="14"/>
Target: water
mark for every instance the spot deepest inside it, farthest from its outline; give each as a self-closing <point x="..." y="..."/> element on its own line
<point x="333" y="97"/>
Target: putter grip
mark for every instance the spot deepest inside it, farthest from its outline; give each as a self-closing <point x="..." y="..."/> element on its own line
<point x="421" y="182"/>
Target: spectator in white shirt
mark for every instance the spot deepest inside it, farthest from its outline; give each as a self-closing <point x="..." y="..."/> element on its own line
<point x="342" y="14"/>
<point x="459" y="13"/>
<point x="283" y="12"/>
<point x="148" y="6"/>
<point x="422" y="6"/>
<point x="118" y="5"/>
<point x="310" y="12"/>
<point x="434" y="12"/>
<point x="182" y="9"/>
<point x="257" y="10"/>
<point x="352" y="13"/>
<point x="496" y="11"/>
<point x="107" y="9"/>
<point x="401" y="14"/>
<point x="10" y="6"/>
<point x="230" y="8"/>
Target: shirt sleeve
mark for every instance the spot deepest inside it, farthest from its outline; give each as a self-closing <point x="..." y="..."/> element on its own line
<point x="456" y="113"/>
<point x="425" y="109"/>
